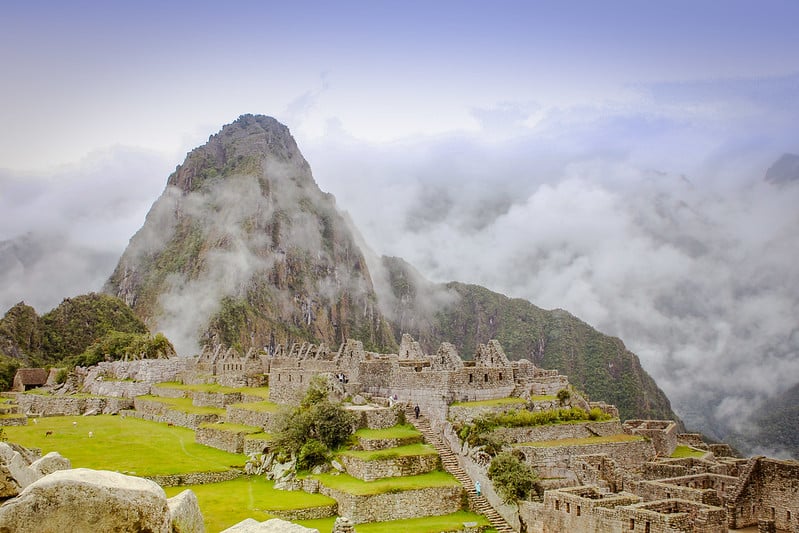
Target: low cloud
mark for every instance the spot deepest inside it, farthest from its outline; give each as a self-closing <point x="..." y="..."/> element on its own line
<point x="652" y="223"/>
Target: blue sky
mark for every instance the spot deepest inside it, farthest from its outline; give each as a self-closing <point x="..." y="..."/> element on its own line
<point x="602" y="157"/>
<point x="81" y="76"/>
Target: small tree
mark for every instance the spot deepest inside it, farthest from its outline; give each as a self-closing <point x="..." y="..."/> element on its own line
<point x="563" y="396"/>
<point x="310" y="431"/>
<point x="512" y="479"/>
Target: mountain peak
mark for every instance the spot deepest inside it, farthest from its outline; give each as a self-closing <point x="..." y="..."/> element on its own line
<point x="245" y="146"/>
<point x="244" y="250"/>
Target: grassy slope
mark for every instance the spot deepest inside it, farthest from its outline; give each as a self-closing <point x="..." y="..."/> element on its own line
<point x="123" y="444"/>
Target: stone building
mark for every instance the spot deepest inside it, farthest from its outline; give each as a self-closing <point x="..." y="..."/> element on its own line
<point x="29" y="378"/>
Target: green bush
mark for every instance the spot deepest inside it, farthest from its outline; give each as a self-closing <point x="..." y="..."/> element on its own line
<point x="477" y="433"/>
<point x="513" y="480"/>
<point x="311" y="454"/>
<point x="313" y="429"/>
<point x="563" y="396"/>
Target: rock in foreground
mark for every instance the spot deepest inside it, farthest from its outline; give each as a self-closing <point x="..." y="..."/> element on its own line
<point x="83" y="500"/>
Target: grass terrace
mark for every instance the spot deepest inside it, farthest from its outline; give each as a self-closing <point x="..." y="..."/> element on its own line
<point x="351" y="485"/>
<point x="404" y="431"/>
<point x="582" y="442"/>
<point x="184" y="405"/>
<point x="410" y="450"/>
<point x="681" y="452"/>
<point x="228" y="503"/>
<point x="262" y="392"/>
<point x="124" y="444"/>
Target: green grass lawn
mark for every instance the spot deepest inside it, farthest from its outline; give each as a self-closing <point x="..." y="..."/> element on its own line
<point x="228" y="503"/>
<point x="123" y="444"/>
<point x="184" y="405"/>
<point x="399" y="451"/>
<point x="261" y="392"/>
<point x="396" y="432"/>
<point x="582" y="442"/>
<point x="681" y="452"/>
<point x="347" y="483"/>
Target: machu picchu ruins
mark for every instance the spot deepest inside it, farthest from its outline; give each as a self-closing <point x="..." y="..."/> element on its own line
<point x="595" y="475"/>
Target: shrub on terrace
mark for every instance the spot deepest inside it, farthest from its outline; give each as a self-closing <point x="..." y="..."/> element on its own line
<point x="313" y="429"/>
<point x="513" y="480"/>
<point x="477" y="433"/>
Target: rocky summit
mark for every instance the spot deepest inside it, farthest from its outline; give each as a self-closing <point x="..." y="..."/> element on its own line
<point x="243" y="249"/>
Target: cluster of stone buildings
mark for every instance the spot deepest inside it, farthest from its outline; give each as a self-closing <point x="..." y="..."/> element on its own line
<point x="599" y="476"/>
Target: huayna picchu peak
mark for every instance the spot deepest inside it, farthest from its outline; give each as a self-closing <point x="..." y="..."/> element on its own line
<point x="243" y="249"/>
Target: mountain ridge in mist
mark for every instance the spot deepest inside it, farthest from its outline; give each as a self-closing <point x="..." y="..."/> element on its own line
<point x="244" y="250"/>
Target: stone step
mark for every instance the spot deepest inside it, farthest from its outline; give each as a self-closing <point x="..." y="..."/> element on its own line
<point x="450" y="463"/>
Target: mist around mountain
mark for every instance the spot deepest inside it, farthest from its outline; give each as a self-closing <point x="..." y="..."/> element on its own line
<point x="243" y="249"/>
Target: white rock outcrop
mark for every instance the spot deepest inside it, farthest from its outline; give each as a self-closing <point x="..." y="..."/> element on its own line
<point x="83" y="500"/>
<point x="52" y="462"/>
<point x="184" y="513"/>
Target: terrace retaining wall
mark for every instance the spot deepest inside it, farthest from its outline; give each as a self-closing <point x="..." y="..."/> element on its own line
<point x="411" y="465"/>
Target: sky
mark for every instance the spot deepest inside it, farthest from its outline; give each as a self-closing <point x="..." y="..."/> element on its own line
<point x="603" y="157"/>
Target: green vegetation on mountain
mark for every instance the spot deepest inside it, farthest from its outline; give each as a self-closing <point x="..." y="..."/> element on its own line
<point x="599" y="365"/>
<point x="117" y="345"/>
<point x="69" y="330"/>
<point x="79" y="322"/>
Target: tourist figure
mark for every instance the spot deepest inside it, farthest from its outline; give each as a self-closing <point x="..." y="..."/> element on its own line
<point x="477" y="488"/>
<point x="416" y="411"/>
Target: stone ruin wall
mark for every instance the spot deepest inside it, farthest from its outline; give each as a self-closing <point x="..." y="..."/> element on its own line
<point x="586" y="510"/>
<point x="413" y="465"/>
<point x="769" y="490"/>
<point x="559" y="431"/>
<point x="580" y="510"/>
<point x="38" y="405"/>
<point x="662" y="433"/>
<point x="395" y="506"/>
<point x="626" y="454"/>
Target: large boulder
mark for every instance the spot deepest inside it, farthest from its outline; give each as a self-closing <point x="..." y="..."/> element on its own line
<point x="52" y="462"/>
<point x="87" y="501"/>
<point x="184" y="513"/>
<point x="275" y="525"/>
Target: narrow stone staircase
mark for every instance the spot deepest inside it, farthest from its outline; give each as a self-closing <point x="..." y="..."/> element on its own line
<point x="449" y="461"/>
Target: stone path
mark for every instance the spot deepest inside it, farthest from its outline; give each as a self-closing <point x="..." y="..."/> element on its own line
<point x="449" y="460"/>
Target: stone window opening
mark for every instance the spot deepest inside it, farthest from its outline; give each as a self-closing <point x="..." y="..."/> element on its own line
<point x="500" y="376"/>
<point x="632" y="524"/>
<point x="557" y="505"/>
<point x="485" y="378"/>
<point x="646" y="527"/>
<point x="471" y="378"/>
<point x="773" y="513"/>
<point x="568" y="508"/>
<point x="578" y="510"/>
<point x="789" y="516"/>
